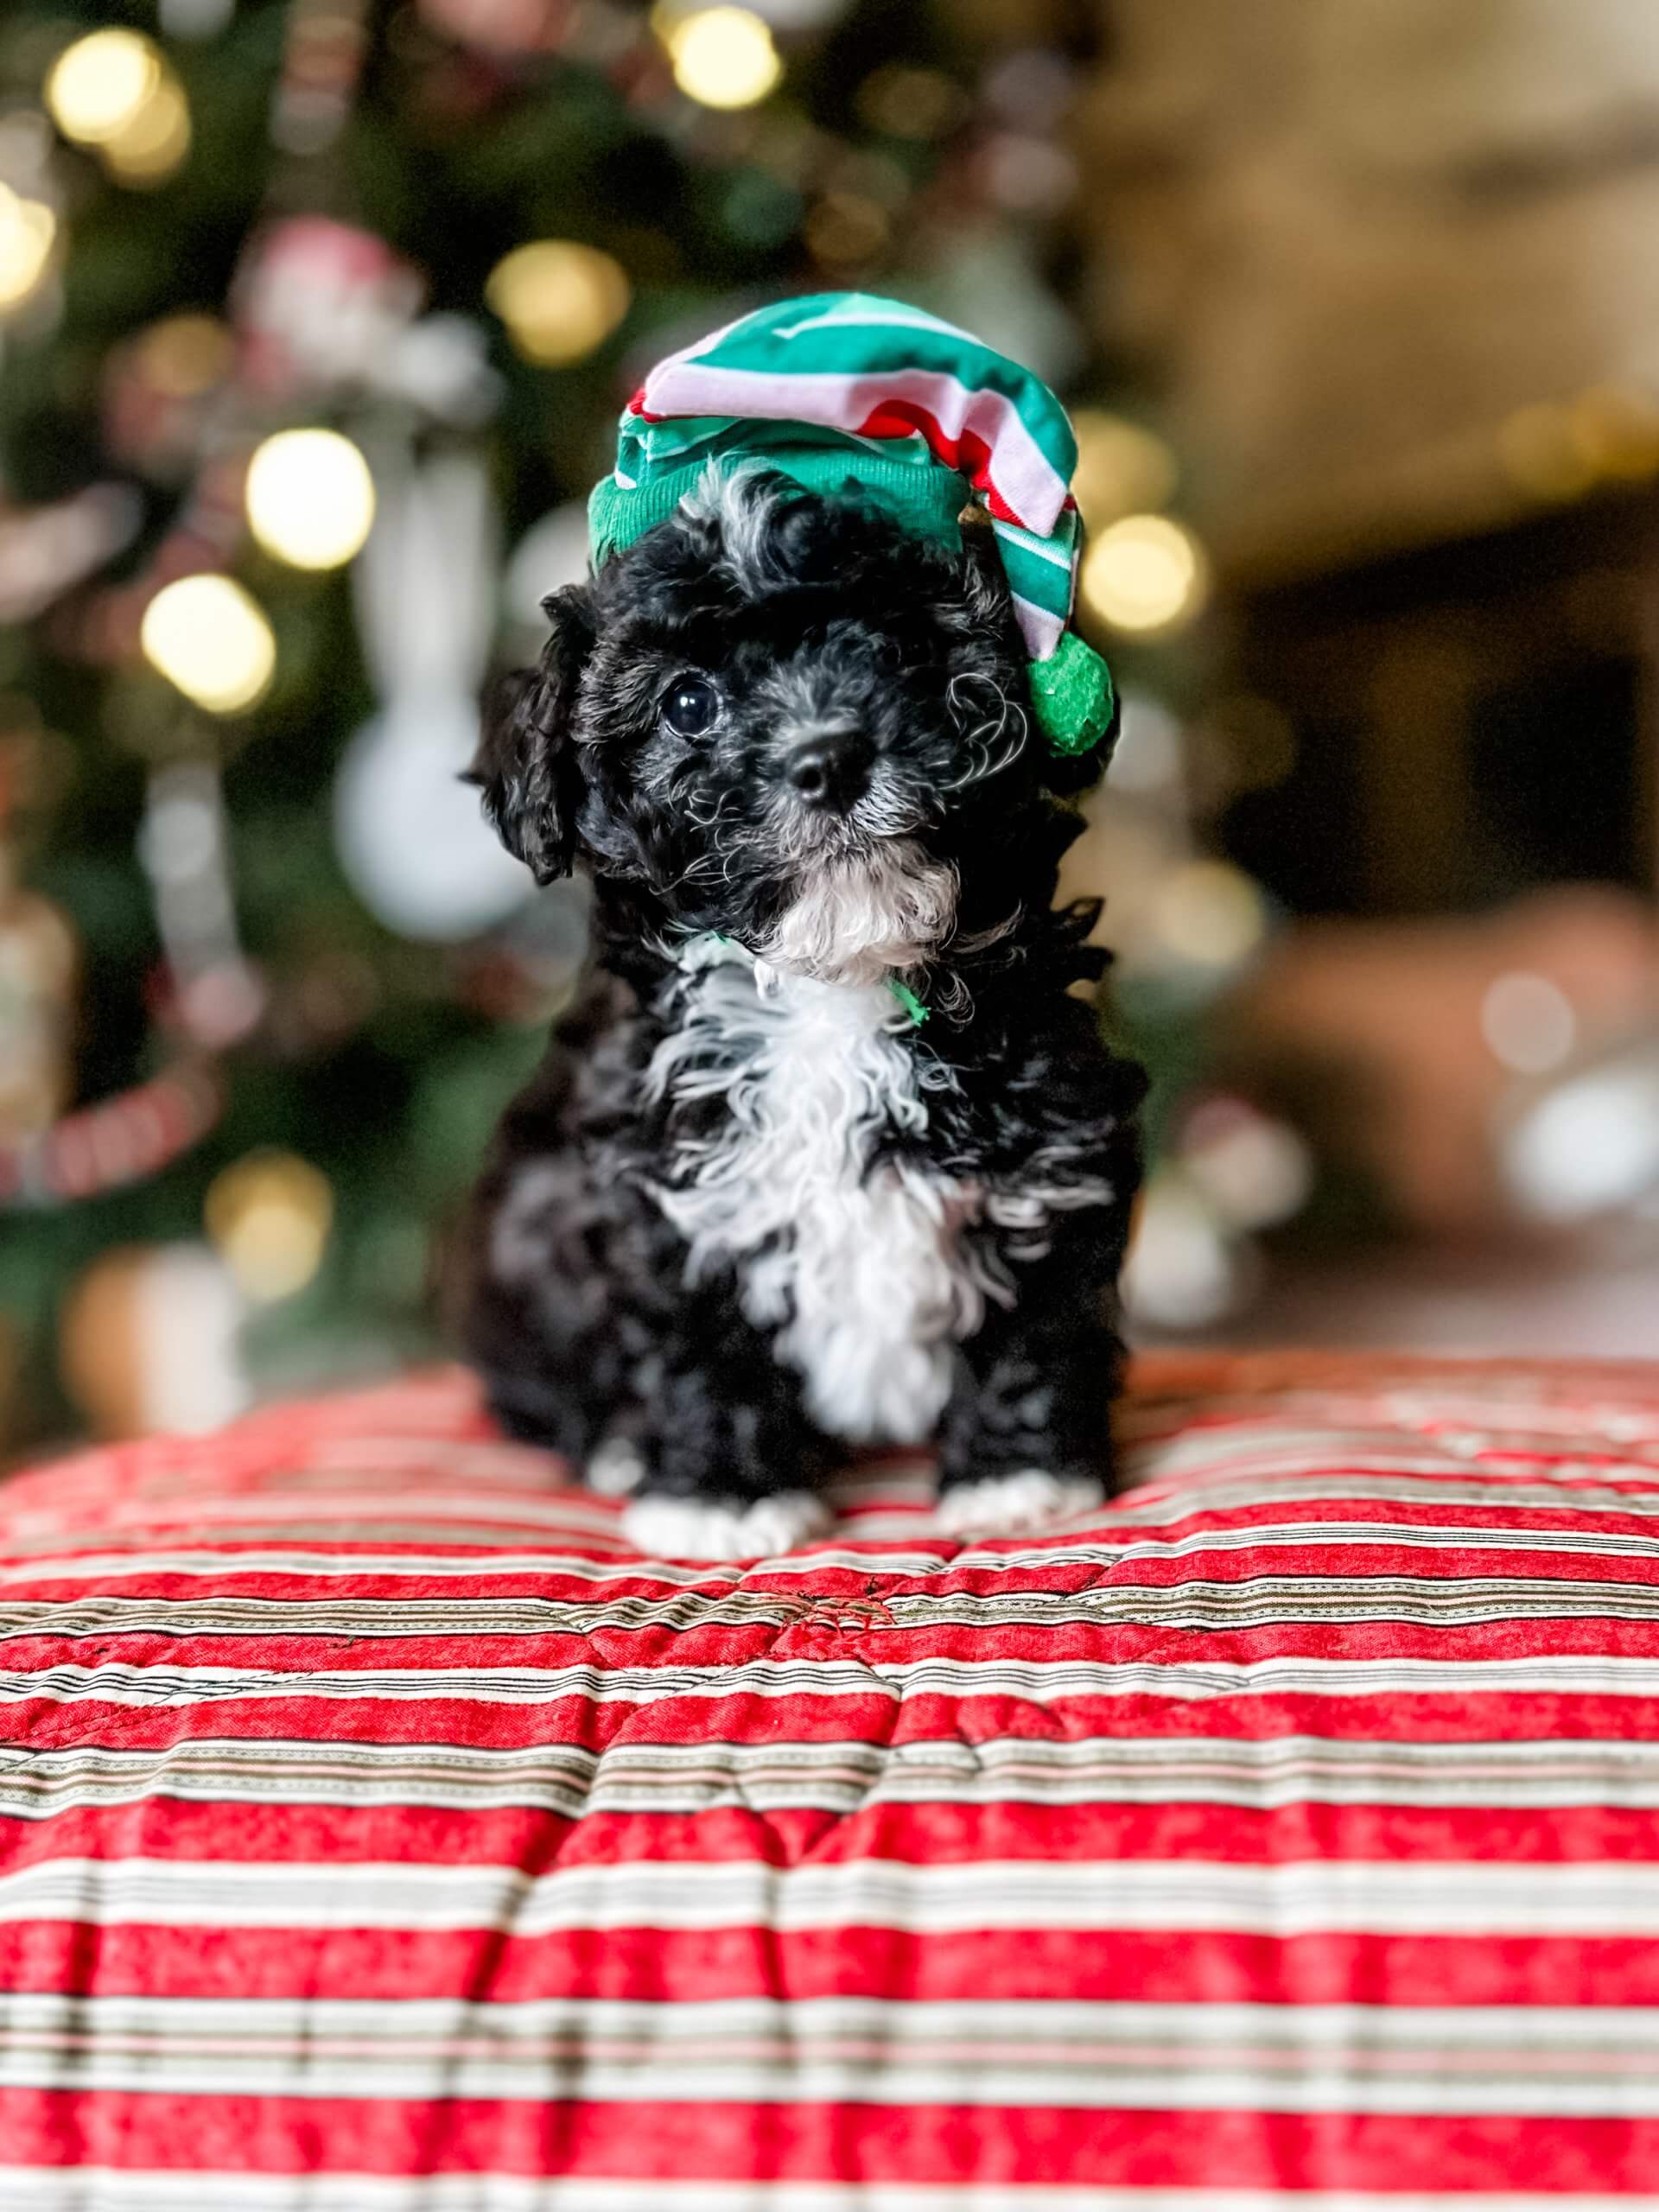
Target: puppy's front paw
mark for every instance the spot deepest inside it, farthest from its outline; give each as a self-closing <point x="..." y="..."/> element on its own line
<point x="724" y="1527"/>
<point x="1011" y="1505"/>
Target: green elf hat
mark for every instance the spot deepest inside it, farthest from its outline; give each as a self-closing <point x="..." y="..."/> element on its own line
<point x="862" y="396"/>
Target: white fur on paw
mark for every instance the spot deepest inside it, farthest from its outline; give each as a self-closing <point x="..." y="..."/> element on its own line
<point x="1009" y="1505"/>
<point x="614" y="1467"/>
<point x="701" y="1528"/>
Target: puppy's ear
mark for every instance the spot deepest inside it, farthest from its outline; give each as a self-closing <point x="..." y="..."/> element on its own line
<point x="990" y="605"/>
<point x="525" y="764"/>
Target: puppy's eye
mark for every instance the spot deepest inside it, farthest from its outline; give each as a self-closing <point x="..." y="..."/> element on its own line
<point x="691" y="706"/>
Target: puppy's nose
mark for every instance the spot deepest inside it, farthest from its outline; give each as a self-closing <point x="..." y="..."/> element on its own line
<point x="831" y="770"/>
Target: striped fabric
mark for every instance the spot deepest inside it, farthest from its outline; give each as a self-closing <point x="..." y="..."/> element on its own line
<point x="379" y="1833"/>
<point x="879" y="375"/>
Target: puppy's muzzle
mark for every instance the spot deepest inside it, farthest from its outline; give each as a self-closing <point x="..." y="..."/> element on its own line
<point x="830" y="771"/>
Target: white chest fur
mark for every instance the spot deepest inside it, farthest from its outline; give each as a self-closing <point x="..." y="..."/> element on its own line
<point x="863" y="1273"/>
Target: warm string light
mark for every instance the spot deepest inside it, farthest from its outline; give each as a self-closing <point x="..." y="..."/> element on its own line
<point x="310" y="498"/>
<point x="1144" y="574"/>
<point x="154" y="144"/>
<point x="112" y="91"/>
<point x="268" y="1216"/>
<point x="207" y="637"/>
<point x="184" y="355"/>
<point x="27" y="231"/>
<point x="100" y="84"/>
<point x="1122" y="468"/>
<point x="559" y="301"/>
<point x="1608" y="434"/>
<point x="723" y="57"/>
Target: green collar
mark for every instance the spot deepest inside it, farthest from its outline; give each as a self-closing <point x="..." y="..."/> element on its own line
<point x="908" y="999"/>
<point x="902" y="991"/>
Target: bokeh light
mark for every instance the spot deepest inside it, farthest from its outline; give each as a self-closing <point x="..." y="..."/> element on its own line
<point x="1254" y="1171"/>
<point x="1181" y="1271"/>
<point x="846" y="228"/>
<point x="1207" y="913"/>
<point x="268" y="1217"/>
<point x="1590" y="1145"/>
<point x="184" y="355"/>
<point x="1144" y="573"/>
<point x="28" y="229"/>
<point x="723" y="57"/>
<point x="99" y="86"/>
<point x="206" y="635"/>
<point x="152" y="145"/>
<point x="1608" y="434"/>
<point x="1528" y="1022"/>
<point x="1616" y="429"/>
<point x="558" y="300"/>
<point x="1122" y="469"/>
<point x="901" y="102"/>
<point x="310" y="498"/>
<point x="1540" y="454"/>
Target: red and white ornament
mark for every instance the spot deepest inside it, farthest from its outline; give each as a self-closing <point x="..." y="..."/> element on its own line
<point x="318" y="303"/>
<point x="502" y="26"/>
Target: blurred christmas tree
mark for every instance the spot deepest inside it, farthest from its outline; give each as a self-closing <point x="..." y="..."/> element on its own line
<point x="316" y="315"/>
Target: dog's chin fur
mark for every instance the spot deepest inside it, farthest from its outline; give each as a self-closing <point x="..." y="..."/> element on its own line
<point x="857" y="919"/>
<point x="760" y="1204"/>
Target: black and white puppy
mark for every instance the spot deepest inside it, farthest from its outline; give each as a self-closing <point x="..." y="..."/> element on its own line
<point x="828" y="1153"/>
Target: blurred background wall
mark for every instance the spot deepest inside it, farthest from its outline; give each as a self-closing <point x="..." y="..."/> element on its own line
<point x="315" y="316"/>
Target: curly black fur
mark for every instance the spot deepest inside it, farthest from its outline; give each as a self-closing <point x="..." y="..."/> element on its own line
<point x="610" y="1293"/>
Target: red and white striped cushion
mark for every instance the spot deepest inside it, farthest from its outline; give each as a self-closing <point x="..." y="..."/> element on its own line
<point x="378" y="1834"/>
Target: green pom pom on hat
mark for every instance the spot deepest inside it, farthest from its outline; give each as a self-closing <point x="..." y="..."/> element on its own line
<point x="1074" y="696"/>
<point x="854" y="395"/>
